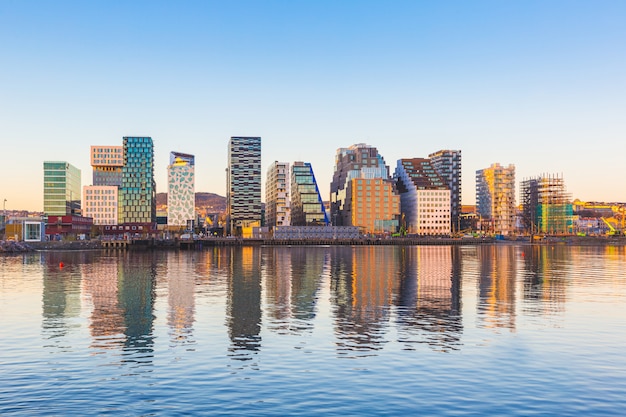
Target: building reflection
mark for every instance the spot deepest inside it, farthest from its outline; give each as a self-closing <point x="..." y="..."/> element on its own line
<point x="292" y="278"/>
<point x="136" y="297"/>
<point x="277" y="278"/>
<point x="61" y="298"/>
<point x="545" y="277"/>
<point x="496" y="286"/>
<point x="364" y="280"/>
<point x="181" y="297"/>
<point x="244" y="302"/>
<point x="429" y="297"/>
<point x="100" y="282"/>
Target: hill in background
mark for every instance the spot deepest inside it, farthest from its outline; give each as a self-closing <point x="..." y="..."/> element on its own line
<point x="206" y="203"/>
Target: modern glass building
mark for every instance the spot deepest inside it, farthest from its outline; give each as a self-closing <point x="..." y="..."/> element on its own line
<point x="107" y="163"/>
<point x="61" y="189"/>
<point x="307" y="206"/>
<point x="243" y="186"/>
<point x="448" y="166"/>
<point x="495" y="198"/>
<point x="357" y="161"/>
<point x="181" y="196"/>
<point x="277" y="195"/>
<point x="137" y="194"/>
<point x="424" y="198"/>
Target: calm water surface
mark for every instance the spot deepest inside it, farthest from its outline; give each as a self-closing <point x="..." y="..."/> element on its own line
<point x="493" y="330"/>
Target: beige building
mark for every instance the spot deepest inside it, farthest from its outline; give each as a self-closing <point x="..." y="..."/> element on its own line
<point x="100" y="202"/>
<point x="495" y="198"/>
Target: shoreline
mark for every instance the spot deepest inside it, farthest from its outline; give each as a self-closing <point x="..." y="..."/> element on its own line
<point x="9" y="247"/>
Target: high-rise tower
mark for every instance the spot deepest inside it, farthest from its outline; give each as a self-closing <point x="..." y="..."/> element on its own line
<point x="243" y="189"/>
<point x="307" y="207"/>
<point x="424" y="197"/>
<point x="137" y="194"/>
<point x="277" y="195"/>
<point x="357" y="161"/>
<point x="448" y="166"/>
<point x="61" y="189"/>
<point x="495" y="198"/>
<point x="181" y="197"/>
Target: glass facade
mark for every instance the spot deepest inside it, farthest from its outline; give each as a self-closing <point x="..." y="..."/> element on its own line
<point x="137" y="194"/>
<point x="307" y="206"/>
<point x="61" y="188"/>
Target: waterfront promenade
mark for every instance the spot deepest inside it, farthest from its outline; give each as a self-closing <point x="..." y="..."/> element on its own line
<point x="197" y="244"/>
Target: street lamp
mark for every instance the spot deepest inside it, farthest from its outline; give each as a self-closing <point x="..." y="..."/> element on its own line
<point x="4" y="218"/>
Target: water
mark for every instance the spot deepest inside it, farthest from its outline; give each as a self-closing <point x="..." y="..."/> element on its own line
<point x="472" y="330"/>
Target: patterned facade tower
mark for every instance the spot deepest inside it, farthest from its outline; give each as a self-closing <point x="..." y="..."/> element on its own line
<point x="277" y="195"/>
<point x="181" y="206"/>
<point x="243" y="186"/>
<point x="495" y="198"/>
<point x="424" y="197"/>
<point x="137" y="194"/>
<point x="448" y="166"/>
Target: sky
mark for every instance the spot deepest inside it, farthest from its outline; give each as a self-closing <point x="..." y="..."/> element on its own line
<point x="537" y="84"/>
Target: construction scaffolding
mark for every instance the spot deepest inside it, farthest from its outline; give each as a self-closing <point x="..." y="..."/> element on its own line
<point x="546" y="206"/>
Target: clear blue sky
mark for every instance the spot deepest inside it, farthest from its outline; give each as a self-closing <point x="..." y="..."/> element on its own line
<point x="539" y="84"/>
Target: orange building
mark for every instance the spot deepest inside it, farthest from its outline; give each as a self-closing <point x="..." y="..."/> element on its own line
<point x="373" y="205"/>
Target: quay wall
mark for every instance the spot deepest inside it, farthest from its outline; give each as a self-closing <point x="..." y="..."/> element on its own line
<point x="150" y="244"/>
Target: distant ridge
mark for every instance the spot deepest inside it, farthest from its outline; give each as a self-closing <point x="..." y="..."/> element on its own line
<point x="206" y="203"/>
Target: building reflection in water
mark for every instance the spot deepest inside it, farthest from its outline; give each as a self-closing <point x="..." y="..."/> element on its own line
<point x="136" y="296"/>
<point x="292" y="278"/>
<point x="61" y="298"/>
<point x="364" y="280"/>
<point x="429" y="298"/>
<point x="100" y="282"/>
<point x="545" y="270"/>
<point x="244" y="302"/>
<point x="181" y="297"/>
<point x="496" y="286"/>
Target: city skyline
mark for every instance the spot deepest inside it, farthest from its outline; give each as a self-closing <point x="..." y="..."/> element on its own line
<point x="538" y="85"/>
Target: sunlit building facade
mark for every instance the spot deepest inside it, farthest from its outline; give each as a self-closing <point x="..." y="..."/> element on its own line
<point x="277" y="195"/>
<point x="107" y="163"/>
<point x="356" y="161"/>
<point x="137" y="194"/>
<point x="181" y="197"/>
<point x="307" y="206"/>
<point x="373" y="205"/>
<point x="243" y="189"/>
<point x="100" y="203"/>
<point x="424" y="198"/>
<point x="447" y="163"/>
<point x="61" y="189"/>
<point x="495" y="198"/>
